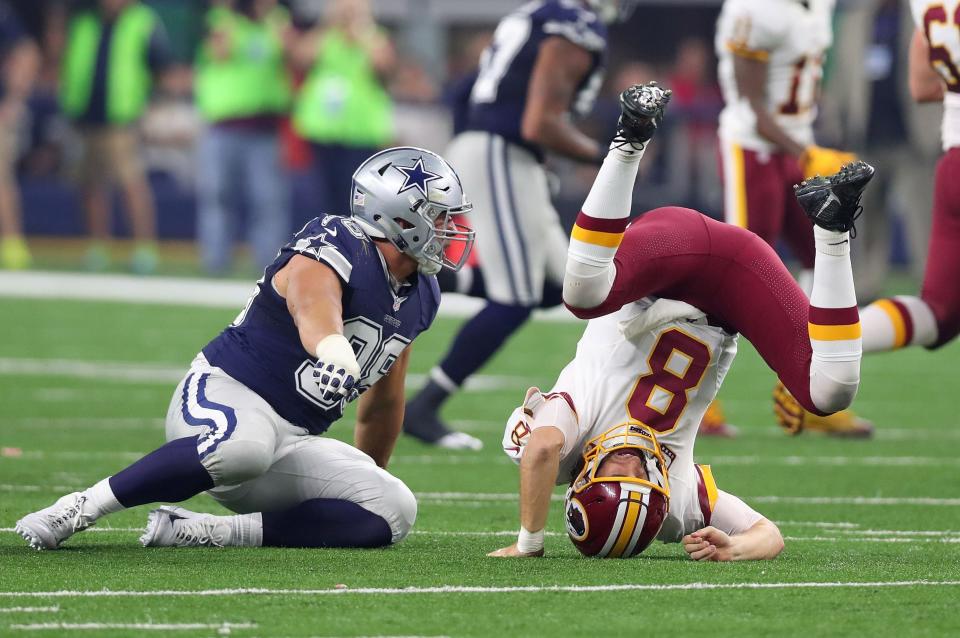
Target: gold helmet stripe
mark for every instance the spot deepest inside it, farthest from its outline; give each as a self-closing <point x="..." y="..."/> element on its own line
<point x="631" y="519"/>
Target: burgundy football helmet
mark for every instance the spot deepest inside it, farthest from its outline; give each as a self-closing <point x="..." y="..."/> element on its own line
<point x="618" y="516"/>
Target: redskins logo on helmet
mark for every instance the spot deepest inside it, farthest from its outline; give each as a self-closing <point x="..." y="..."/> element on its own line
<point x="618" y="516"/>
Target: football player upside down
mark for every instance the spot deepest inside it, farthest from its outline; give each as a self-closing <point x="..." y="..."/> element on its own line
<point x="667" y="297"/>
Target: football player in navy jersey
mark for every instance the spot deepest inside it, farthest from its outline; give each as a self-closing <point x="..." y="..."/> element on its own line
<point x="330" y="321"/>
<point x="545" y="63"/>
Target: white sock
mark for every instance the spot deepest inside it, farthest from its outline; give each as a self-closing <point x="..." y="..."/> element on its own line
<point x="599" y="230"/>
<point x="246" y="529"/>
<point x="897" y="322"/>
<point x="835" y="333"/>
<point x="101" y="500"/>
<point x="832" y="281"/>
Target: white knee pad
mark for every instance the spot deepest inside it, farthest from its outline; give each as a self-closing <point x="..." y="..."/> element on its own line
<point x="586" y="285"/>
<point x="396" y="504"/>
<point x="833" y="384"/>
<point x="237" y="461"/>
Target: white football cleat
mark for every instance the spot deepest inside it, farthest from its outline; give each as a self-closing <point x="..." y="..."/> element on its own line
<point x="172" y="526"/>
<point x="459" y="441"/>
<point x="49" y="527"/>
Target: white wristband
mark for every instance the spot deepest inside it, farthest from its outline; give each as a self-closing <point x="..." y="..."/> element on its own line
<point x="335" y="348"/>
<point x="529" y="542"/>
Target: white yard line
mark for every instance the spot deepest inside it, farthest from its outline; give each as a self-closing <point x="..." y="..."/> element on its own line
<point x="835" y="461"/>
<point x="95" y="530"/>
<point x="182" y="291"/>
<point x="145" y="372"/>
<point x="468" y="589"/>
<point x="468" y="498"/>
<point x="876" y="536"/>
<point x="118" y="371"/>
<point x="856" y="500"/>
<point x="29" y="610"/>
<point x="107" y="423"/>
<point x="841" y="524"/>
<point x="848" y="539"/>
<point x="460" y="459"/>
<point x="16" y="487"/>
<point x="36" y="455"/>
<point x="892" y="434"/>
<point x="100" y="626"/>
<point x="882" y="433"/>
<point x="474" y="459"/>
<point x="463" y="497"/>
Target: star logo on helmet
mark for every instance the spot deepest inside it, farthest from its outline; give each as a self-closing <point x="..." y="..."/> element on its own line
<point x="416" y="176"/>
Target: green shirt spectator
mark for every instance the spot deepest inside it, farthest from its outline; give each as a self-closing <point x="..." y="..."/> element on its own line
<point x="240" y="71"/>
<point x="109" y="63"/>
<point x="343" y="100"/>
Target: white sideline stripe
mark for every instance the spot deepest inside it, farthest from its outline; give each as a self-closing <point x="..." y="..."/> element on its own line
<point x="144" y="626"/>
<point x="183" y="291"/>
<point x="29" y="610"/>
<point x="469" y="589"/>
<point x="143" y="372"/>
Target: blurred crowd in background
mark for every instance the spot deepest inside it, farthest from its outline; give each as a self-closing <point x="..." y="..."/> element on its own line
<point x="241" y="119"/>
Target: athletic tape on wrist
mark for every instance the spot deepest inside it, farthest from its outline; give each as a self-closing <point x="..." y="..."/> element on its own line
<point x="529" y="542"/>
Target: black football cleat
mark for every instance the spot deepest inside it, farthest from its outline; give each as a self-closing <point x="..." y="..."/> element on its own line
<point x="641" y="113"/>
<point x="833" y="202"/>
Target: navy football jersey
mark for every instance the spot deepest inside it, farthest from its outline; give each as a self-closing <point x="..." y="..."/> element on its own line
<point x="499" y="95"/>
<point x="261" y="348"/>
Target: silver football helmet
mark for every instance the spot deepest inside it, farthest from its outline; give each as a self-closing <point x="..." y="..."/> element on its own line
<point x="611" y="11"/>
<point x="409" y="196"/>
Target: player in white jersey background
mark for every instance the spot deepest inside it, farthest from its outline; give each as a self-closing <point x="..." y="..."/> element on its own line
<point x="867" y="108"/>
<point x="932" y="319"/>
<point x="771" y="56"/>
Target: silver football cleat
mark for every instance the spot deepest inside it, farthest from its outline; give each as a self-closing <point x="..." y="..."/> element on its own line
<point x="49" y="527"/>
<point x="172" y="526"/>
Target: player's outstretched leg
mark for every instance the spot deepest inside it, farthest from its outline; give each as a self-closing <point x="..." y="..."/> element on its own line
<point x="171" y="473"/>
<point x="323" y="493"/>
<point x="897" y="322"/>
<point x="606" y="212"/>
<point x="318" y="522"/>
<point x="833" y="204"/>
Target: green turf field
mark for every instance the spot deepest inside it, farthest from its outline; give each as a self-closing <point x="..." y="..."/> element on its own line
<point x="873" y="528"/>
